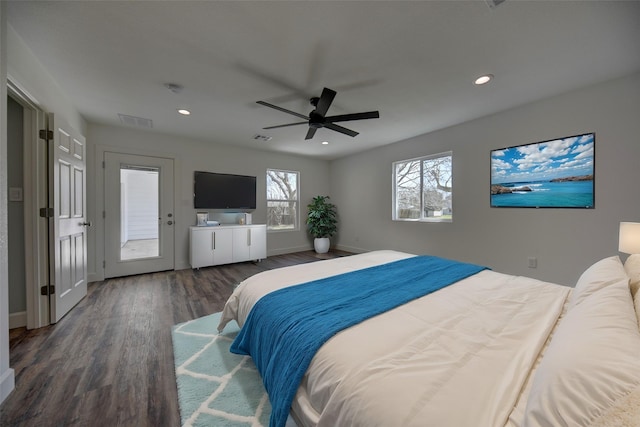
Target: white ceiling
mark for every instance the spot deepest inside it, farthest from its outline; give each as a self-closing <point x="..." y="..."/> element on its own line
<point x="413" y="61"/>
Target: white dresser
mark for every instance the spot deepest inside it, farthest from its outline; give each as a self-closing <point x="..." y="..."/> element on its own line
<point x="226" y="244"/>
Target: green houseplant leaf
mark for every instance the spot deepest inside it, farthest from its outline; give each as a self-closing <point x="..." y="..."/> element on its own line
<point x="322" y="217"/>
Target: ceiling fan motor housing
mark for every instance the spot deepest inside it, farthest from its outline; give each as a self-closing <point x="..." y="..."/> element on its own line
<point x="316" y="120"/>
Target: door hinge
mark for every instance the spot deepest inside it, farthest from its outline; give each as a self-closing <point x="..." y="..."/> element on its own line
<point x="47" y="290"/>
<point x="103" y="164"/>
<point x="104" y="264"/>
<point x="104" y="214"/>
<point x="46" y="134"/>
<point x="46" y="212"/>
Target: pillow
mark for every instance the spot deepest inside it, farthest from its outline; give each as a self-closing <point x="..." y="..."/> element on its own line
<point x="600" y="275"/>
<point x="591" y="363"/>
<point x="632" y="268"/>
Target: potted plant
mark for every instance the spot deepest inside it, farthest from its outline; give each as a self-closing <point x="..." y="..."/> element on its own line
<point x="322" y="221"/>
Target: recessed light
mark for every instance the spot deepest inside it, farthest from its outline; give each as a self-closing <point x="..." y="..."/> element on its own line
<point x="184" y="112"/>
<point x="483" y="79"/>
<point x="325" y="142"/>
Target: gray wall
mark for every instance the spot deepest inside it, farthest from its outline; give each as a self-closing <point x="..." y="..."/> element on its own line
<point x="191" y="155"/>
<point x="565" y="241"/>
<point x="15" y="148"/>
<point x="7" y="376"/>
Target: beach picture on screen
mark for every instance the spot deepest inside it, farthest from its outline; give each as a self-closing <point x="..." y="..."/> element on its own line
<point x="551" y="174"/>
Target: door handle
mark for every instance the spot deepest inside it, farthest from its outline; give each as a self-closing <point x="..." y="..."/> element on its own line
<point x="85" y="224"/>
<point x="170" y="222"/>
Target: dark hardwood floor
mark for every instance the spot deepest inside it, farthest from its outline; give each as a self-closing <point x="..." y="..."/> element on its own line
<point x="109" y="362"/>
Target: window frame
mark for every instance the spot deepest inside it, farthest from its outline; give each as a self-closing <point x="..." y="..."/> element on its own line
<point x="394" y="184"/>
<point x="296" y="226"/>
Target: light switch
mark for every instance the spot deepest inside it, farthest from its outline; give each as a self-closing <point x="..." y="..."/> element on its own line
<point x="15" y="194"/>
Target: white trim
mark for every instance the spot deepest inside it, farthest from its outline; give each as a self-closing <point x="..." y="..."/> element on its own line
<point x="17" y="320"/>
<point x="35" y="197"/>
<point x="18" y="90"/>
<point x="290" y="250"/>
<point x="7" y="383"/>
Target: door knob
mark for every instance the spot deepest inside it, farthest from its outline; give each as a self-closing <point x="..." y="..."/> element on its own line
<point x="170" y="222"/>
<point x="85" y="224"/>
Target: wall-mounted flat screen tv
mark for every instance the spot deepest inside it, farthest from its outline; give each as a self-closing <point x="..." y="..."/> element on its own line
<point x="550" y="174"/>
<point x="223" y="191"/>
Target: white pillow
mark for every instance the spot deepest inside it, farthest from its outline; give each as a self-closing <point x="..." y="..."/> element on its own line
<point x="600" y="275"/>
<point x="632" y="268"/>
<point x="592" y="361"/>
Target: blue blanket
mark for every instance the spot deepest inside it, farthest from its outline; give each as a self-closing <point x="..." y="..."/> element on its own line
<point x="286" y="327"/>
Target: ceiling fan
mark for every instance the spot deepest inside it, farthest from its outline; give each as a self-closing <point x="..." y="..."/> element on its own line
<point x="317" y="118"/>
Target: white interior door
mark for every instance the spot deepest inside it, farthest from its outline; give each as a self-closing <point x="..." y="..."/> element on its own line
<point x="68" y="234"/>
<point x="139" y="218"/>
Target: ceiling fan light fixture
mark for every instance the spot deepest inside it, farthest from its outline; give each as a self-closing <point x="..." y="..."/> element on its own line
<point x="483" y="79"/>
<point x="184" y="111"/>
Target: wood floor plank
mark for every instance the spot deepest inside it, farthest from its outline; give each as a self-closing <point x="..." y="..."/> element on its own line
<point x="109" y="362"/>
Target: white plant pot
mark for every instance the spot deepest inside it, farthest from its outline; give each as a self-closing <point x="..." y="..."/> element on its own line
<point x="321" y="244"/>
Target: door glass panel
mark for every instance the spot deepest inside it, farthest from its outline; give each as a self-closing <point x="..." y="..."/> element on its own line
<point x="139" y="212"/>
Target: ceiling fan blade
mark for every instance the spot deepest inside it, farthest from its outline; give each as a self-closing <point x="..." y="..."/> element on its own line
<point x="355" y="116"/>
<point x="325" y="101"/>
<point x="340" y="129"/>
<point x="310" y="133"/>
<point x="284" y="110"/>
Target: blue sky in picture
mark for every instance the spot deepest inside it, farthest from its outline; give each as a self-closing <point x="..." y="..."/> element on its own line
<point x="543" y="161"/>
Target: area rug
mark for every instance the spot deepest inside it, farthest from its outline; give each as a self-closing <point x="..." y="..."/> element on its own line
<point x="216" y="387"/>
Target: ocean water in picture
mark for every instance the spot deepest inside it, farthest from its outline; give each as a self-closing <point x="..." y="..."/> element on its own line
<point x="576" y="194"/>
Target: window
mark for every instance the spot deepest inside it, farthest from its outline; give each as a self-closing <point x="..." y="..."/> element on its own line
<point x="282" y="200"/>
<point x="422" y="189"/>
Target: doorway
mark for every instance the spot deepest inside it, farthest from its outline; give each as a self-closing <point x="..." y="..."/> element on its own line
<point x="15" y="215"/>
<point x="138" y="214"/>
<point x="28" y="240"/>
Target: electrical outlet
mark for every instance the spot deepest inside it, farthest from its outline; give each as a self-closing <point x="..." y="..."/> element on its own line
<point x="533" y="262"/>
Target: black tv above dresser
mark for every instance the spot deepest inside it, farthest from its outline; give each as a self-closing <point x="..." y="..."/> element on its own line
<point x="223" y="191"/>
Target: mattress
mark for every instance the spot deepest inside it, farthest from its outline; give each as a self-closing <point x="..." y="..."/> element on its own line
<point x="460" y="356"/>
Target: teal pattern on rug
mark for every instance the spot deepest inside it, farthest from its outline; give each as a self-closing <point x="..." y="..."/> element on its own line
<point x="216" y="387"/>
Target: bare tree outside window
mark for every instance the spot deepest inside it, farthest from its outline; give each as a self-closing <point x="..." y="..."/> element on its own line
<point x="282" y="199"/>
<point x="423" y="188"/>
<point x="407" y="183"/>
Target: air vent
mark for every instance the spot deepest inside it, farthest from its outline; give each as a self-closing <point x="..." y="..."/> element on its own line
<point x="134" y="121"/>
<point x="494" y="3"/>
<point x="262" y="137"/>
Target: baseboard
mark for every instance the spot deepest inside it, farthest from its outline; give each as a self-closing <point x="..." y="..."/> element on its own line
<point x="352" y="249"/>
<point x="7" y="384"/>
<point x="17" y="320"/>
<point x="95" y="277"/>
<point x="291" y="250"/>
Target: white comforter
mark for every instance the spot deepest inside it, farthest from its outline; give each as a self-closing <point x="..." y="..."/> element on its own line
<point x="457" y="357"/>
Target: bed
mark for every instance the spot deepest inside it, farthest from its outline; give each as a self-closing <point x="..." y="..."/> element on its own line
<point x="489" y="350"/>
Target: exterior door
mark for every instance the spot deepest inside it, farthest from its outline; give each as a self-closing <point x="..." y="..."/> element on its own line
<point x="67" y="233"/>
<point x="139" y="218"/>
